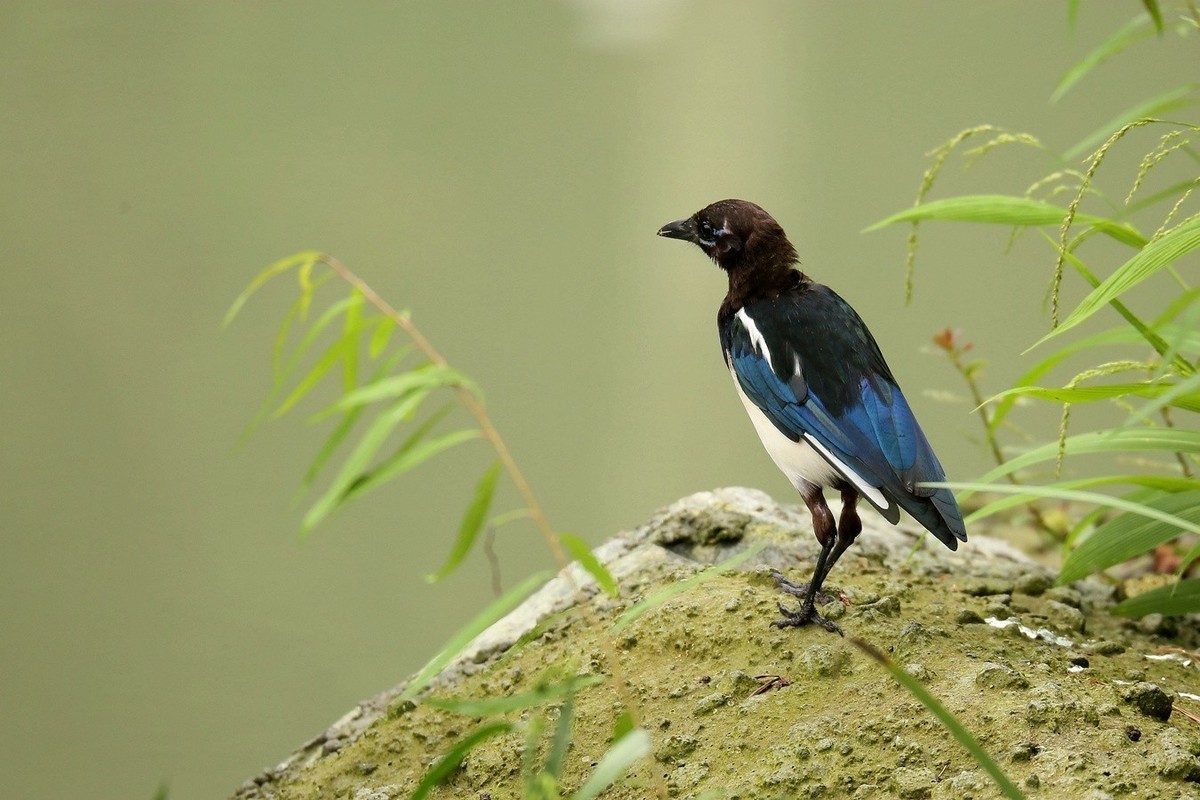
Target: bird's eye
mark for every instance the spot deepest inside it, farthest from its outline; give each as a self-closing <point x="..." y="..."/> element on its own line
<point x="707" y="232"/>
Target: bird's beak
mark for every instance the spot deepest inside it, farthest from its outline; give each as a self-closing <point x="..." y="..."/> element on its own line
<point x="684" y="229"/>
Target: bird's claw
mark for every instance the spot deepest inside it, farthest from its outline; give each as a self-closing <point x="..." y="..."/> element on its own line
<point x="805" y="615"/>
<point x="800" y="590"/>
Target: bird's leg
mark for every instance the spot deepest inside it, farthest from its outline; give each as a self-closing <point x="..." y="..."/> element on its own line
<point x="826" y="532"/>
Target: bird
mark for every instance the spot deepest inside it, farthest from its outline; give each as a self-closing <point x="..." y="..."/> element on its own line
<point x="821" y="396"/>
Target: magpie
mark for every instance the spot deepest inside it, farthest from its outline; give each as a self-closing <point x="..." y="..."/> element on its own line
<point x="821" y="397"/>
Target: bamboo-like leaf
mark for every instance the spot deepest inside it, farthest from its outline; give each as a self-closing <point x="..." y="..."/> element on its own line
<point x="580" y="551"/>
<point x="478" y="624"/>
<point x="472" y="522"/>
<point x="488" y="706"/>
<point x="380" y="337"/>
<point x="338" y="351"/>
<point x="1090" y="394"/>
<point x="448" y="764"/>
<point x="352" y="324"/>
<point x="556" y="759"/>
<point x="1151" y="524"/>
<point x="1002" y="209"/>
<point x="1115" y="336"/>
<point x="346" y="424"/>
<point x="614" y="763"/>
<point x="1165" y="250"/>
<point x="1137" y="28"/>
<point x="1181" y="597"/>
<point x="278" y="268"/>
<point x="1185" y="394"/>
<point x="1151" y="337"/>
<point x="1121" y="440"/>
<point x="429" y="376"/>
<point x="948" y="720"/>
<point x="1154" y="107"/>
<point x="679" y="587"/>
<point x="1155" y="14"/>
<point x="355" y="465"/>
<point x="1161" y="483"/>
<point x="408" y="457"/>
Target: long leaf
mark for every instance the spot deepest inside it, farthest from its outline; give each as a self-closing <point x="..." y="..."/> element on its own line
<point x="1186" y="392"/>
<point x="948" y="720"/>
<point x="487" y="706"/>
<point x="1165" y="250"/>
<point x="360" y="458"/>
<point x="449" y="763"/>
<point x="679" y="587"/>
<point x="1181" y="597"/>
<point x="472" y="522"/>
<point x="580" y="551"/>
<point x="478" y="624"/>
<point x="1004" y="209"/>
<point x="1154" y="107"/>
<point x="1089" y="394"/>
<point x="1159" y="483"/>
<point x="278" y="268"/>
<point x="408" y="457"/>
<point x="1137" y="28"/>
<point x="1149" y="525"/>
<point x="424" y="376"/>
<point x="613" y="764"/>
<point x="1121" y="440"/>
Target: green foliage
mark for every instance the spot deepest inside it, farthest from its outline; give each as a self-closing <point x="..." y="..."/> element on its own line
<point x="1149" y="229"/>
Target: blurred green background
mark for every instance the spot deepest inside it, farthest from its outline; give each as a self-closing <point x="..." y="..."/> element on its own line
<point x="500" y="169"/>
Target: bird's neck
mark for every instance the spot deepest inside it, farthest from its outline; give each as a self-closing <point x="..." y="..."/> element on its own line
<point x="762" y="282"/>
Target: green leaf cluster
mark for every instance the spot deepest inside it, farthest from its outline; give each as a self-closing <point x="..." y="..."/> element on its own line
<point x="1115" y="237"/>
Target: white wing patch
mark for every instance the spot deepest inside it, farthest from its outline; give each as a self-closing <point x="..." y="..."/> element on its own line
<point x="756" y="337"/>
<point x="865" y="489"/>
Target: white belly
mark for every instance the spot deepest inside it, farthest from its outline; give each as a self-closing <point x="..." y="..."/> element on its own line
<point x="796" y="460"/>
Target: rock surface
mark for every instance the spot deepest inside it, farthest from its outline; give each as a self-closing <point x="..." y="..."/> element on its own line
<point x="1070" y="701"/>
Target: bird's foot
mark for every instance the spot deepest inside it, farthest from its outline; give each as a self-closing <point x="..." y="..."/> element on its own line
<point x="800" y="590"/>
<point x="806" y="614"/>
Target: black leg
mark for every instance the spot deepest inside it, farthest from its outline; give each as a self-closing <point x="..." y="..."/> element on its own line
<point x="826" y="532"/>
<point x="834" y="541"/>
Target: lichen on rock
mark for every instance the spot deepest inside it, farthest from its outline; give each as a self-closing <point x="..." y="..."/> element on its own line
<point x="1061" y="693"/>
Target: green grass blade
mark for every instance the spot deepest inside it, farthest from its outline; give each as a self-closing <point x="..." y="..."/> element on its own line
<point x="1154" y="107"/>
<point x="1137" y="28"/>
<point x="1163" y="251"/>
<point x="430" y="376"/>
<point x="486" y="706"/>
<point x="478" y="624"/>
<point x="580" y="551"/>
<point x="1002" y="209"/>
<point x="352" y="326"/>
<point x="947" y="719"/>
<point x="679" y="587"/>
<point x="380" y="337"/>
<point x="1107" y="391"/>
<point x="1146" y="526"/>
<point x="338" y="351"/>
<point x="406" y="458"/>
<point x="472" y="522"/>
<point x="556" y="759"/>
<point x="614" y="763"/>
<point x="448" y="764"/>
<point x="1157" y="482"/>
<point x="1181" y="597"/>
<point x="1185" y="394"/>
<point x="1155" y="14"/>
<point x="278" y="268"/>
<point x="1119" y="440"/>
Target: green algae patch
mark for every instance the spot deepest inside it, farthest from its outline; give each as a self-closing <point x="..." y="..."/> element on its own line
<point x="1067" y="703"/>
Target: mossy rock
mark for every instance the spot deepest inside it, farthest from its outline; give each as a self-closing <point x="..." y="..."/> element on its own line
<point x="1067" y="698"/>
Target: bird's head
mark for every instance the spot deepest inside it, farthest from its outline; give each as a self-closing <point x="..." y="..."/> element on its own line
<point x="735" y="233"/>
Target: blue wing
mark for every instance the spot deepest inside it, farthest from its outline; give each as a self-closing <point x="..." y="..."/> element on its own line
<point x="828" y="385"/>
